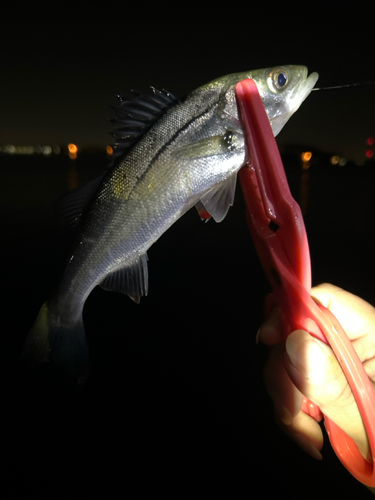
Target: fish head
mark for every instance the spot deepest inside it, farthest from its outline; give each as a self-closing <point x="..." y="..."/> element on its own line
<point x="282" y="89"/>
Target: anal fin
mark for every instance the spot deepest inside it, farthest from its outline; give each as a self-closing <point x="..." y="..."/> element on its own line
<point x="131" y="280"/>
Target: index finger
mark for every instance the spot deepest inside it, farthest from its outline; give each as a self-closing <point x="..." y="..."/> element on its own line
<point x="356" y="316"/>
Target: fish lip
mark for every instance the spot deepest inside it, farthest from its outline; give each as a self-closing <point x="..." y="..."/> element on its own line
<point x="311" y="80"/>
<point x="308" y="84"/>
<point x="303" y="90"/>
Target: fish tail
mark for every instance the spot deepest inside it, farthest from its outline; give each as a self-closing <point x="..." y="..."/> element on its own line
<point x="65" y="347"/>
<point x="37" y="347"/>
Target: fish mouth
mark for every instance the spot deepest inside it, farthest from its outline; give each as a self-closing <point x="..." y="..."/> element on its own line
<point x="303" y="90"/>
<point x="310" y="83"/>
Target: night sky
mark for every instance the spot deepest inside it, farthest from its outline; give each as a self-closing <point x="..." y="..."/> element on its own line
<point x="62" y="70"/>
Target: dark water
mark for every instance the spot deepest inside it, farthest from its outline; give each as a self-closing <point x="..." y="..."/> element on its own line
<point x="175" y="404"/>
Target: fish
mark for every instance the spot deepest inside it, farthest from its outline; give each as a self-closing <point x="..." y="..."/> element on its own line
<point x="169" y="156"/>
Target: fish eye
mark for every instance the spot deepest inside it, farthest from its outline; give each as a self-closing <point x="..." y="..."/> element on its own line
<point x="281" y="79"/>
<point x="278" y="78"/>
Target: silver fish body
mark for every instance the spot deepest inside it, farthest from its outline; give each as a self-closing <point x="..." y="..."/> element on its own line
<point x="189" y="156"/>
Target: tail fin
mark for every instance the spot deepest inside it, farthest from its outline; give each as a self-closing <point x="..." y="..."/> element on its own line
<point x="64" y="347"/>
<point x="37" y="346"/>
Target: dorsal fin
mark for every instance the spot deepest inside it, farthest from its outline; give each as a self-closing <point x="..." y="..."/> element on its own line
<point x="71" y="205"/>
<point x="134" y="116"/>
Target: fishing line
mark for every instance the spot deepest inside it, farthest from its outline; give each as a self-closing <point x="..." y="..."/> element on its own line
<point x="347" y="85"/>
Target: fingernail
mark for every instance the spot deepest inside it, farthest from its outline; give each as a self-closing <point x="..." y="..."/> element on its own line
<point x="282" y="412"/>
<point x="293" y="347"/>
<point x="257" y="337"/>
<point x="307" y="447"/>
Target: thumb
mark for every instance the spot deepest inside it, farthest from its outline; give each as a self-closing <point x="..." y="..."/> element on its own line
<point x="315" y="371"/>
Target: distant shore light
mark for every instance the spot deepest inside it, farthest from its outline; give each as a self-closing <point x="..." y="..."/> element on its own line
<point x="306" y="156"/>
<point x="72" y="148"/>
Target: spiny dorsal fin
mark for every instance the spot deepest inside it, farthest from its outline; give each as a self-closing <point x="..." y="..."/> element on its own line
<point x="134" y="116"/>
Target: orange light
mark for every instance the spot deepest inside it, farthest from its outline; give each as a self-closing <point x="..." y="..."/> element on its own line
<point x="369" y="153"/>
<point x="306" y="156"/>
<point x="72" y="149"/>
<point x="109" y="150"/>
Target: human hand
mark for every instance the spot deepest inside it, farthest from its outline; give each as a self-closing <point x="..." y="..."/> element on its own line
<point x="305" y="365"/>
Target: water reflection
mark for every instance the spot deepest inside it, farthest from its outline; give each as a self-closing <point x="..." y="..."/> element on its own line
<point x="304" y="190"/>
<point x="72" y="176"/>
<point x="304" y="183"/>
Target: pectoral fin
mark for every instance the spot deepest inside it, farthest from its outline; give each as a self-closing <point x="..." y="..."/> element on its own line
<point x="131" y="280"/>
<point x="218" y="199"/>
<point x="209" y="146"/>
